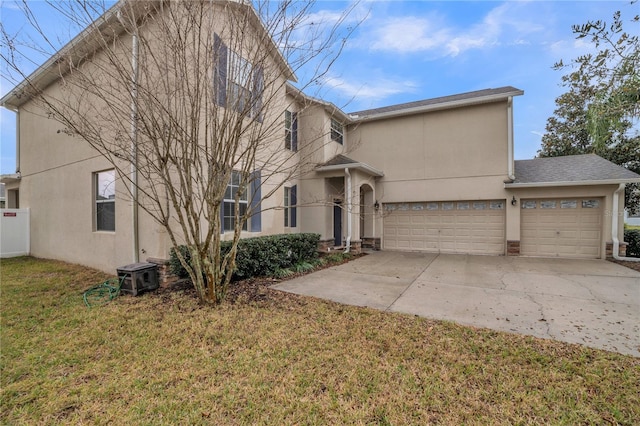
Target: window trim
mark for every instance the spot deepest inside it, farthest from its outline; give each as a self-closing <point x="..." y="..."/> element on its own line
<point x="100" y="202"/>
<point x="237" y="82"/>
<point x="337" y="131"/>
<point x="291" y="130"/>
<point x="231" y="201"/>
<point x="287" y="206"/>
<point x="290" y="206"/>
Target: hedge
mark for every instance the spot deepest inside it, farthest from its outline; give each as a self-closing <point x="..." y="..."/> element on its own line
<point x="261" y="256"/>
<point x="632" y="237"/>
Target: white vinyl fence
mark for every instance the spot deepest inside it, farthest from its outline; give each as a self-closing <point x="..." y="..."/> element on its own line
<point x="14" y="232"/>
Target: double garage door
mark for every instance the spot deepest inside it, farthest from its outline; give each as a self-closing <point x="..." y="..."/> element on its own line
<point x="570" y="228"/>
<point x="561" y="227"/>
<point x="474" y="227"/>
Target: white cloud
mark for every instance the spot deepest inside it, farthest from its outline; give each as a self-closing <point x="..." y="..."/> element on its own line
<point x="409" y="34"/>
<point x="373" y="90"/>
<point x="508" y="24"/>
<point x="9" y="4"/>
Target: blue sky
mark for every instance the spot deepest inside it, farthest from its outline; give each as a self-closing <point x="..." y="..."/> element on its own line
<point x="410" y="50"/>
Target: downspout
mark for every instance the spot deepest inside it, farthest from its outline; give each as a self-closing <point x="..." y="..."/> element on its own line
<point x="510" y="170"/>
<point x="348" y="173"/>
<point x="17" y="111"/>
<point x="615" y="223"/>
<point x="134" y="144"/>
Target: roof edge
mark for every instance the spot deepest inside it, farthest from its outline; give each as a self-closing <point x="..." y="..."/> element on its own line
<point x="363" y="166"/>
<point x="43" y="76"/>
<point x="330" y="107"/>
<point x="571" y="183"/>
<point x="438" y="106"/>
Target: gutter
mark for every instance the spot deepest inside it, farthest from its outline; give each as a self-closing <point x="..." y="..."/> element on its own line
<point x="134" y="145"/>
<point x="363" y="166"/>
<point x="510" y="171"/>
<point x="615" y="223"/>
<point x="133" y="134"/>
<point x="571" y="183"/>
<point x="437" y="106"/>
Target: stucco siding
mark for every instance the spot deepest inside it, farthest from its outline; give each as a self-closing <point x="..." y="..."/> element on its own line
<point x="460" y="142"/>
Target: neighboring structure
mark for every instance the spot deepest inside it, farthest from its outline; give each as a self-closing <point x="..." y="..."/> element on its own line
<point x="436" y="175"/>
<point x="633" y="220"/>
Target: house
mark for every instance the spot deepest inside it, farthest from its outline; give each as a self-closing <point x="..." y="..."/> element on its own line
<point x="632" y="220"/>
<point x="435" y="175"/>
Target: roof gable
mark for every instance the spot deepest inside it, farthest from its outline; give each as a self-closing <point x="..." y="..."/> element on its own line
<point x="109" y="25"/>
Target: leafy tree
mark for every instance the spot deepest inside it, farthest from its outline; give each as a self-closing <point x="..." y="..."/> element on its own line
<point x="601" y="109"/>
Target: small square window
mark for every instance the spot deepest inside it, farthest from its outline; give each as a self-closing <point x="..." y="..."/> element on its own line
<point x="568" y="204"/>
<point x="590" y="204"/>
<point x="432" y="206"/>
<point x="447" y="206"/>
<point x="496" y="205"/>
<point x="549" y="204"/>
<point x="479" y="205"/>
<point x="463" y="206"/>
<point x="528" y="204"/>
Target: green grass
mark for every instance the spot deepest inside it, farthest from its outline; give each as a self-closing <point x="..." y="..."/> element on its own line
<point x="162" y="359"/>
<point x="632" y="227"/>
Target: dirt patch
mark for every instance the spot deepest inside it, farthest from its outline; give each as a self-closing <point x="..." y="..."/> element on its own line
<point x="630" y="265"/>
<point x="249" y="291"/>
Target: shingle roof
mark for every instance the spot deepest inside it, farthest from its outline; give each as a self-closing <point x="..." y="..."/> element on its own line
<point x="461" y="97"/>
<point x="339" y="160"/>
<point x="572" y="168"/>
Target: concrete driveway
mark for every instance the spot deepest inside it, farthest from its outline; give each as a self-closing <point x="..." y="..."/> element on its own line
<point x="590" y="302"/>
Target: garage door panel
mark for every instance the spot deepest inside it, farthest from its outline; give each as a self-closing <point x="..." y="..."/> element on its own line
<point x="563" y="232"/>
<point x="473" y="229"/>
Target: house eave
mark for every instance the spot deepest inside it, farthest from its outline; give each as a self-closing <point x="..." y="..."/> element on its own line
<point x="329" y="107"/>
<point x="570" y="183"/>
<point x="10" y="178"/>
<point x="439" y="106"/>
<point x="51" y="70"/>
<point x="359" y="166"/>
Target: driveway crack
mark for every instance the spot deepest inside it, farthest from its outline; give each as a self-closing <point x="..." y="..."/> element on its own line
<point x="542" y="315"/>
<point x="411" y="283"/>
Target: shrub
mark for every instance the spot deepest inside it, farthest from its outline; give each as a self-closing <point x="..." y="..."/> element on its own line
<point x="632" y="236"/>
<point x="262" y="256"/>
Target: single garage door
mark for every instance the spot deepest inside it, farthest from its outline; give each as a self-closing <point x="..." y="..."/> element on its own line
<point x="475" y="227"/>
<point x="561" y="227"/>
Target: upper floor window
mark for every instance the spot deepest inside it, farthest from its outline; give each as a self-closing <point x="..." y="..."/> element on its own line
<point x="237" y="82"/>
<point x="336" y="131"/>
<point x="291" y="130"/>
<point x="229" y="207"/>
<point x="105" y="200"/>
<point x="239" y="72"/>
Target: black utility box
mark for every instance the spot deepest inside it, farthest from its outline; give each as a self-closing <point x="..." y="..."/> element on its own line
<point x="138" y="277"/>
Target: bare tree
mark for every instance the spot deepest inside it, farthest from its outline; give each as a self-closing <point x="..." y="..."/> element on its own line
<point x="184" y="97"/>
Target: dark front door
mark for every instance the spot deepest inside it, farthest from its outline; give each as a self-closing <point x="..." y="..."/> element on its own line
<point x="337" y="223"/>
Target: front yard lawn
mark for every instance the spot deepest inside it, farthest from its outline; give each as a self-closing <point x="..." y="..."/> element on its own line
<point x="276" y="358"/>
